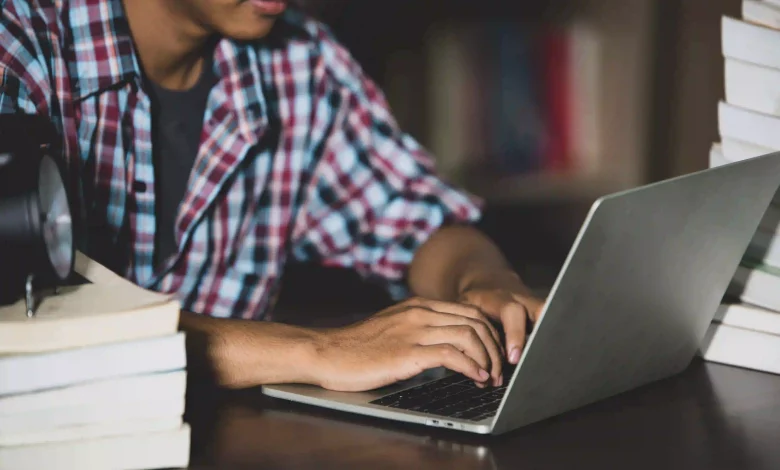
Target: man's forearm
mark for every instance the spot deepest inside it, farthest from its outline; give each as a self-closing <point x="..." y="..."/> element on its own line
<point x="242" y="353"/>
<point x="455" y="258"/>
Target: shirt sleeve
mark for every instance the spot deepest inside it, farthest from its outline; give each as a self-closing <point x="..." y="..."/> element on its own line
<point x="21" y="75"/>
<point x="13" y="96"/>
<point x="374" y="196"/>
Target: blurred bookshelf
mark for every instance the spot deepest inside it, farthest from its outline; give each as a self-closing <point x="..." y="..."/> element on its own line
<point x="520" y="102"/>
<point x="642" y="79"/>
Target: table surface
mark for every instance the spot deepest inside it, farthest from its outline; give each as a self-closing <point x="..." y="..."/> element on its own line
<point x="710" y="416"/>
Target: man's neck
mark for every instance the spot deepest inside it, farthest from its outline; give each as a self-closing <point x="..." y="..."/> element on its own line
<point x="170" y="45"/>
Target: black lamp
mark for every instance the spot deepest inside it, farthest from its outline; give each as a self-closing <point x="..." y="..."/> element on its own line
<point x="36" y="229"/>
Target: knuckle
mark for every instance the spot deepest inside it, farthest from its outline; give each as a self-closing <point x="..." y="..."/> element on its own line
<point x="475" y="324"/>
<point x="511" y="308"/>
<point x="412" y="313"/>
<point x="473" y="335"/>
<point x="482" y="327"/>
<point x="448" y="351"/>
<point x="470" y="311"/>
<point x="464" y="331"/>
<point x="411" y="301"/>
<point x="477" y="313"/>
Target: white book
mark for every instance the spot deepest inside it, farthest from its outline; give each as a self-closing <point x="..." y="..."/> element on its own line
<point x="717" y="158"/>
<point x="586" y="56"/>
<point x="168" y="405"/>
<point x="735" y="150"/>
<point x="49" y="370"/>
<point x="104" y="309"/>
<point x="119" y="390"/>
<point x="739" y="347"/>
<point x="757" y="285"/>
<point x="752" y="86"/>
<point x="448" y="69"/>
<point x="748" y="317"/>
<point x="750" y="42"/>
<point x="167" y="449"/>
<point x="761" y="12"/>
<point x="91" y="431"/>
<point x="748" y="126"/>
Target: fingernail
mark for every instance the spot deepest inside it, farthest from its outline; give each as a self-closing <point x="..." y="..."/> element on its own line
<point x="483" y="375"/>
<point x="501" y="380"/>
<point x="514" y="356"/>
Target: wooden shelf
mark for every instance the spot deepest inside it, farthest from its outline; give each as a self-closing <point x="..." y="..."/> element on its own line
<point x="393" y="42"/>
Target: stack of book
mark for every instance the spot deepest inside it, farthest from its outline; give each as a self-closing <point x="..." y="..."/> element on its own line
<point x="746" y="329"/>
<point x="96" y="379"/>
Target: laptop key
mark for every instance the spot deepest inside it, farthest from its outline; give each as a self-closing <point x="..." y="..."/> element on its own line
<point x="475" y="413"/>
<point x="485" y="416"/>
<point x="454" y="396"/>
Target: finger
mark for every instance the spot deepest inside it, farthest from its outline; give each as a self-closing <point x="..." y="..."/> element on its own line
<point x="513" y="317"/>
<point x="533" y="306"/>
<point x="463" y="337"/>
<point x="468" y="311"/>
<point x="474" y="329"/>
<point x="447" y="355"/>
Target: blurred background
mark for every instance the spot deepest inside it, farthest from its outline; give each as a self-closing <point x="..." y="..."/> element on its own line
<point x="539" y="107"/>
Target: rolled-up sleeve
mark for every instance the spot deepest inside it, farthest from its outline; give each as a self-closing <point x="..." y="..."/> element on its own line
<point x="374" y="196"/>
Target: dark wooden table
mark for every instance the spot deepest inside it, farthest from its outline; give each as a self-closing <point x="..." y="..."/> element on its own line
<point x="710" y="416"/>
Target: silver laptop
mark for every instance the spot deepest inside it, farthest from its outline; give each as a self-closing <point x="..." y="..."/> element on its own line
<point x="630" y="306"/>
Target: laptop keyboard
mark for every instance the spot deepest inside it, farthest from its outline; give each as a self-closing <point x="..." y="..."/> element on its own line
<point x="454" y="396"/>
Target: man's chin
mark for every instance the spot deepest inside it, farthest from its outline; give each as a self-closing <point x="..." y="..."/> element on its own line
<point x="250" y="30"/>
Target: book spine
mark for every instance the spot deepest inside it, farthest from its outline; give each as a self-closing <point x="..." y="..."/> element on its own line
<point x="750" y="42"/>
<point x="748" y="126"/>
<point x="555" y="49"/>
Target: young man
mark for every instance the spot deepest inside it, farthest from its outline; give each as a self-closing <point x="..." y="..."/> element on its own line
<point x="211" y="140"/>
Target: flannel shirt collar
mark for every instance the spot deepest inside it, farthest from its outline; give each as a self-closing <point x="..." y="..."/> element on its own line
<point x="102" y="46"/>
<point x="105" y="58"/>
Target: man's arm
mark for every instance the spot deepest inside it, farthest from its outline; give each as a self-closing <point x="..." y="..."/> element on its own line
<point x="453" y="259"/>
<point x="392" y="345"/>
<point x="460" y="276"/>
<point x="242" y="353"/>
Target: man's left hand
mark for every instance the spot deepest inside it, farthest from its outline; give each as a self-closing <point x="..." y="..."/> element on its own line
<point x="505" y="299"/>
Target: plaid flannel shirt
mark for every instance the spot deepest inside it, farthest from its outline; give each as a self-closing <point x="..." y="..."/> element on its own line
<point x="300" y="157"/>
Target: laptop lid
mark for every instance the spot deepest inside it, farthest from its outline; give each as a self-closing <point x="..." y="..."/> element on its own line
<point x="639" y="288"/>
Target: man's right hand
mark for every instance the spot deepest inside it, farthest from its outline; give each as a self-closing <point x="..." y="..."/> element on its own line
<point x="405" y="340"/>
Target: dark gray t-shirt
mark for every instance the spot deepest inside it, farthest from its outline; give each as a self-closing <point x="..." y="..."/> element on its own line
<point x="177" y="122"/>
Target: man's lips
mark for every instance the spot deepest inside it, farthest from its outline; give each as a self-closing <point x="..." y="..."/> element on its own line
<point x="269" y="7"/>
